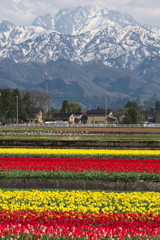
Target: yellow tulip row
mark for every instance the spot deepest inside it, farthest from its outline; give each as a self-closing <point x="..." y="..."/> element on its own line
<point x="77" y="151"/>
<point x="77" y="200"/>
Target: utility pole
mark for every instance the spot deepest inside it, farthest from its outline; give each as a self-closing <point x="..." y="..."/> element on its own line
<point x="17" y="109"/>
<point x="47" y="79"/>
<point x="105" y="109"/>
<point x="141" y="105"/>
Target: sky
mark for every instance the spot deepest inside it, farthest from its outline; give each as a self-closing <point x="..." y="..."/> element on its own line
<point x="24" y="12"/>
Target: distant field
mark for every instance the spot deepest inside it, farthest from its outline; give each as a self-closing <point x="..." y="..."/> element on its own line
<point x="80" y="134"/>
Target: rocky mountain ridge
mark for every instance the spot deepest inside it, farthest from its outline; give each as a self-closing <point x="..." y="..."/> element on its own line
<point x="84" y="35"/>
<point x="121" y="56"/>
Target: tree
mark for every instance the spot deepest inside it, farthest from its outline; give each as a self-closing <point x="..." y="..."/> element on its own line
<point x="38" y="99"/>
<point x="131" y="104"/>
<point x="127" y="119"/>
<point x="131" y="116"/>
<point x="157" y="106"/>
<point x="149" y="113"/>
<point x="133" y="112"/>
<point x="1" y="108"/>
<point x="49" y="115"/>
<point x="75" y="106"/>
<point x="8" y="105"/>
<point x="65" y="107"/>
<point x="28" y="103"/>
<point x="70" y="107"/>
<point x="22" y="114"/>
<point x="157" y="111"/>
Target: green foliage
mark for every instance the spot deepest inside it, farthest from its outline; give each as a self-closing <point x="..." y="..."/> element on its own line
<point x="75" y="106"/>
<point x="131" y="104"/>
<point x="125" y="156"/>
<point x="23" y="236"/>
<point x="28" y="103"/>
<point x="127" y="119"/>
<point x="86" y="175"/>
<point x="36" y="99"/>
<point x="22" y="114"/>
<point x="132" y="111"/>
<point x="65" y="107"/>
<point x="99" y="108"/>
<point x="131" y="116"/>
<point x="8" y="106"/>
<point x="148" y="112"/>
<point x="49" y="115"/>
<point x="158" y="107"/>
<point x="70" y="107"/>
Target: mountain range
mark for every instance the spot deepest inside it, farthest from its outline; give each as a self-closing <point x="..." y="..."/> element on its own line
<point x="89" y="52"/>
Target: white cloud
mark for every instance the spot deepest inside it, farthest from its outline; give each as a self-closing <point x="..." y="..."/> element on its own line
<point x="16" y="1"/>
<point x="144" y="4"/>
<point x="23" y="12"/>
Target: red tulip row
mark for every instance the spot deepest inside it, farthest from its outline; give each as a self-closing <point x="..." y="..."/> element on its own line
<point x="91" y="218"/>
<point x="79" y="225"/>
<point x="80" y="164"/>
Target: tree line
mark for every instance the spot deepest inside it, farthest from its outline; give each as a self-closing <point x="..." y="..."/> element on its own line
<point x="133" y="113"/>
<point x="21" y="102"/>
<point x="24" y="102"/>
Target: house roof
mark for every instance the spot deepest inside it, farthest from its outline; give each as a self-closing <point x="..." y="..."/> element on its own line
<point x="96" y="111"/>
<point x="62" y="115"/>
<point x="35" y="110"/>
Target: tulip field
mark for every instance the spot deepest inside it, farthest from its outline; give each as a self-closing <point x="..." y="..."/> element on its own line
<point x="79" y="214"/>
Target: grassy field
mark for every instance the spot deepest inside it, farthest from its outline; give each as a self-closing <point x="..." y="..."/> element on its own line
<point x="116" y="137"/>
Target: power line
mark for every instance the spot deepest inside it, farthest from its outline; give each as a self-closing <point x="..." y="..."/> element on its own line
<point x="76" y="97"/>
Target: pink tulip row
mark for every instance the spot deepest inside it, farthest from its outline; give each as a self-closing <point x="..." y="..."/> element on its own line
<point x="67" y="225"/>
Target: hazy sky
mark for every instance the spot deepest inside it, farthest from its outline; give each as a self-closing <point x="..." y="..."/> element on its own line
<point x="24" y="12"/>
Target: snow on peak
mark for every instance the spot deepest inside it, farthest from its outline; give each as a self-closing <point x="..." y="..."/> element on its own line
<point x="82" y="34"/>
<point x="79" y="20"/>
<point x="45" y="21"/>
<point x="5" y="26"/>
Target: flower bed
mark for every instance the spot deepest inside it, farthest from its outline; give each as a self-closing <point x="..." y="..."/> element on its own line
<point x="64" y="225"/>
<point x="78" y="200"/>
<point x="74" y="164"/>
<point x="77" y="214"/>
<point x="80" y="168"/>
<point x="84" y="153"/>
<point x="80" y="164"/>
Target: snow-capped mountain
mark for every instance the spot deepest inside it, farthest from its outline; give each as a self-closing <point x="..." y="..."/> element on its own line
<point x="46" y="22"/>
<point x="75" y="21"/>
<point x="153" y="28"/>
<point x="81" y="34"/>
<point x="11" y="35"/>
<point x="6" y="26"/>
